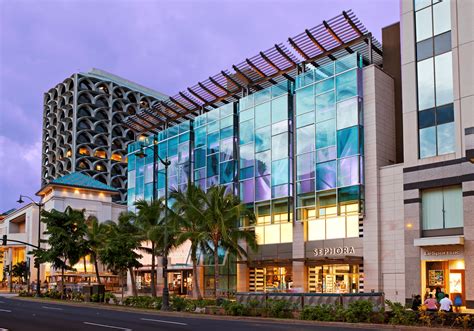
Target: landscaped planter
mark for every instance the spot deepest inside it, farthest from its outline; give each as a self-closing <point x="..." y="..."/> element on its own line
<point x="215" y="310"/>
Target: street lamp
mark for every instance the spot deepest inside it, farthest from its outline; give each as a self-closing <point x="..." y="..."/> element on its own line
<point x="38" y="265"/>
<point x="166" y="163"/>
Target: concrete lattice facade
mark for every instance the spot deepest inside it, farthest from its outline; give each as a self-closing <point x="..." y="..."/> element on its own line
<point x="83" y="127"/>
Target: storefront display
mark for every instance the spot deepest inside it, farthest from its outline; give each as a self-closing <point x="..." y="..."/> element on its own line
<point x="270" y="279"/>
<point x="445" y="275"/>
<point x="180" y="282"/>
<point x="335" y="278"/>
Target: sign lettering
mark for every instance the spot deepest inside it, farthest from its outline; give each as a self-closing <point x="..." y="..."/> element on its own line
<point x="340" y="250"/>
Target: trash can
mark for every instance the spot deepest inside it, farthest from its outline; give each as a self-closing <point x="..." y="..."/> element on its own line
<point x="100" y="291"/>
<point x="87" y="292"/>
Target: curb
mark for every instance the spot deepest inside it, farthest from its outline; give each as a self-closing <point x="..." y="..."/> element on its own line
<point x="236" y="318"/>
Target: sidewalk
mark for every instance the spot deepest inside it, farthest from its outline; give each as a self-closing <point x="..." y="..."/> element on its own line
<point x="226" y="317"/>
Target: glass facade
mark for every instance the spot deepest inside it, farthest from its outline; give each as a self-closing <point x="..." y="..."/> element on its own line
<point x="434" y="77"/>
<point x="329" y="149"/>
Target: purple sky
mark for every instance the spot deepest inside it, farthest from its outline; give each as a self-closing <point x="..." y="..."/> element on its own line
<point x="164" y="45"/>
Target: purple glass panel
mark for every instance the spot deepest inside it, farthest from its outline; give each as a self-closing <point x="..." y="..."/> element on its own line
<point x="200" y="174"/>
<point x="183" y="187"/>
<point x="348" y="171"/>
<point x="202" y="183"/>
<point x="263" y="163"/>
<point x="280" y="191"/>
<point x="172" y="182"/>
<point x="305" y="186"/>
<point x="173" y="168"/>
<point x="212" y="181"/>
<point x="247" y="191"/>
<point x="326" y="154"/>
<point x="326" y="175"/>
<point x="262" y="188"/>
<point x="305" y="166"/>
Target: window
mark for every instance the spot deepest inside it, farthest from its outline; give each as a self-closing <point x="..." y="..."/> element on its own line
<point x="442" y="208"/>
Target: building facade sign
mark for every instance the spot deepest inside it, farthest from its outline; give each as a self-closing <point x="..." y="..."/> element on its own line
<point x="340" y="250"/>
<point x="442" y="253"/>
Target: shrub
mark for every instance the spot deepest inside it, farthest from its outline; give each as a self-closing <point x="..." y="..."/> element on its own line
<point x="77" y="296"/>
<point x="110" y="296"/>
<point x="182" y="304"/>
<point x="322" y="312"/>
<point x="279" y="308"/>
<point x="359" y="311"/>
<point x="463" y="321"/>
<point x="236" y="309"/>
<point x="254" y="303"/>
<point x="52" y="294"/>
<point x="143" y="302"/>
<point x="204" y="303"/>
<point x="399" y="315"/>
<point x="25" y="293"/>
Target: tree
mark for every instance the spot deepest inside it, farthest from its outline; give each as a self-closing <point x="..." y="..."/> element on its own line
<point x="188" y="212"/>
<point x="119" y="252"/>
<point x="94" y="240"/>
<point x="222" y="217"/>
<point x="20" y="270"/>
<point x="65" y="232"/>
<point x="148" y="220"/>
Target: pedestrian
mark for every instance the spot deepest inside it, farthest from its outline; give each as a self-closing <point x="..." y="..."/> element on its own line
<point x="431" y="303"/>
<point x="446" y="304"/>
<point x="416" y="303"/>
<point x="439" y="294"/>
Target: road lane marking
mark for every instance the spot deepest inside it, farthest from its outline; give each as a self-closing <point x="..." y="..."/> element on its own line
<point x="6" y="311"/>
<point x="3" y="329"/>
<point x="54" y="308"/>
<point x="108" y="326"/>
<point x="162" y="321"/>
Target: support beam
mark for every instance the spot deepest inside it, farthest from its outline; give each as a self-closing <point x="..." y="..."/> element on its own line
<point x="213" y="81"/>
<point x="191" y="101"/>
<point x="299" y="50"/>
<point x="318" y="44"/>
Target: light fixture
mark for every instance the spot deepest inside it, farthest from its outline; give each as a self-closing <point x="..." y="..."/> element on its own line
<point x="20" y="200"/>
<point x="141" y="153"/>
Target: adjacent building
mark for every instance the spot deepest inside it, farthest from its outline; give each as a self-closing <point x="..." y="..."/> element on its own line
<point x="83" y="129"/>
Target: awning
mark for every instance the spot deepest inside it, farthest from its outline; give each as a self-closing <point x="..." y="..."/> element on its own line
<point x="439" y="241"/>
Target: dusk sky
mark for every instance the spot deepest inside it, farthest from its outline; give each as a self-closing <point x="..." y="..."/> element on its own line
<point x="164" y="45"/>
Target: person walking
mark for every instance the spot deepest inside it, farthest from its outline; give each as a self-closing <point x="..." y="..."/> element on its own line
<point x="446" y="304"/>
<point x="431" y="303"/>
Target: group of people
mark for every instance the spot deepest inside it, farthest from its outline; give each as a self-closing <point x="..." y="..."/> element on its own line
<point x="437" y="301"/>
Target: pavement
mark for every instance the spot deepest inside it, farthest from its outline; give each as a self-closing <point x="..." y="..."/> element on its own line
<point x="18" y="314"/>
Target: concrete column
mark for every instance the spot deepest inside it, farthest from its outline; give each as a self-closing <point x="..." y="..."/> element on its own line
<point x="468" y="204"/>
<point x="299" y="269"/>
<point x="242" y="277"/>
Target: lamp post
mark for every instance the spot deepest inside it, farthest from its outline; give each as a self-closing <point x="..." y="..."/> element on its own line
<point x="38" y="265"/>
<point x="166" y="163"/>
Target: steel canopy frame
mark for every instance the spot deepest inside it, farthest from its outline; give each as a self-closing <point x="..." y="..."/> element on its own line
<point x="328" y="41"/>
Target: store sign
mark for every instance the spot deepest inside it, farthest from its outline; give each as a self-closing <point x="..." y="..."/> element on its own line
<point x="340" y="250"/>
<point x="442" y="253"/>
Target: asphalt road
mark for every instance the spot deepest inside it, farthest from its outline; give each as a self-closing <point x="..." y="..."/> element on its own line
<point x="21" y="315"/>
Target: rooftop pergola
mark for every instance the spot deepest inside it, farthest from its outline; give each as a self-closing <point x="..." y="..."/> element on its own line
<point x="328" y="41"/>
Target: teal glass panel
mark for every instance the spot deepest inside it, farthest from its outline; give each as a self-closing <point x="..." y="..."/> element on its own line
<point x="305" y="119"/>
<point x="199" y="158"/>
<point x="227" y="149"/>
<point x="160" y="179"/>
<point x="227" y="110"/>
<point x="346" y="85"/>
<point x="347" y="113"/>
<point x="351" y="193"/>
<point x="280" y="89"/>
<point x="212" y="126"/>
<point x="263" y="139"/>
<point x="184" y="137"/>
<point x="227" y="172"/>
<point x="305" y="139"/>
<point x="227" y="121"/>
<point x="183" y="152"/>
<point x="200" y="120"/>
<point x="280" y="146"/>
<point x="325" y="107"/>
<point x="325" y="134"/>
<point x="199" y="174"/>
<point x="246" y="132"/>
<point x="324" y="71"/>
<point x="325" y="86"/>
<point x="148" y="194"/>
<point x="173" y="146"/>
<point x="212" y="165"/>
<point x="325" y="175"/>
<point x="348" y="142"/>
<point x="131" y="162"/>
<point x="262" y="115"/>
<point x="304" y="100"/>
<point x="305" y="78"/>
<point x="246" y="102"/>
<point x="246" y="156"/>
<point x="246" y="115"/>
<point x="345" y="63"/>
<point x="173" y="131"/>
<point x="246" y="173"/>
<point x="280" y="172"/>
<point x="140" y="166"/>
<point x="263" y="163"/>
<point x="262" y="96"/>
<point x="185" y="126"/>
<point x="348" y="171"/>
<point x="140" y="185"/>
<point x="227" y="132"/>
<point x="279" y="109"/>
<point x="200" y="137"/>
<point x="213" y="143"/>
<point x="213" y="115"/>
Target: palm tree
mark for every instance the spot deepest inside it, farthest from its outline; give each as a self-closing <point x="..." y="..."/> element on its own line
<point x="148" y="220"/>
<point x="189" y="214"/>
<point x="222" y="215"/>
<point x="95" y="235"/>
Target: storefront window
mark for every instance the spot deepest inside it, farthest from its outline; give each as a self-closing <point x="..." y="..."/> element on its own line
<point x="270" y="279"/>
<point x="335" y="278"/>
<point x="331" y="225"/>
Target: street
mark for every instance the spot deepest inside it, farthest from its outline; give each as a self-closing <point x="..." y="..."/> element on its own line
<point x="20" y="315"/>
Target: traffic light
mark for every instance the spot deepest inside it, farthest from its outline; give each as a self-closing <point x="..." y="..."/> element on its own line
<point x="4" y="240"/>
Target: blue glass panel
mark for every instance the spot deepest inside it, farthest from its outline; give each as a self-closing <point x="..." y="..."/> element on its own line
<point x="348" y="171"/>
<point x="227" y="149"/>
<point x="348" y="142"/>
<point x="325" y="86"/>
<point x="345" y="63"/>
<point x="262" y="96"/>
<point x="227" y="172"/>
<point x="304" y="100"/>
<point x="446" y="138"/>
<point x="347" y="113"/>
<point x="305" y="119"/>
<point x="227" y="110"/>
<point x="280" y="191"/>
<point x="140" y="166"/>
<point x="305" y="166"/>
<point x="305" y="139"/>
<point x="247" y="191"/>
<point x="140" y="185"/>
<point x="212" y="165"/>
<point x="200" y="120"/>
<point x="325" y="71"/>
<point x="262" y="188"/>
<point x="227" y="132"/>
<point x="428" y="142"/>
<point x="227" y="121"/>
<point x="263" y="163"/>
<point x="263" y="139"/>
<point x="131" y="162"/>
<point x="173" y="131"/>
<point x="280" y="172"/>
<point x="444" y="114"/>
<point x="173" y="147"/>
<point x="326" y="154"/>
<point x="279" y="109"/>
<point x="351" y="193"/>
<point x="426" y="118"/>
<point x="184" y="137"/>
<point x="185" y="126"/>
<point x="346" y="85"/>
<point x="246" y="132"/>
<point x="325" y="107"/>
<point x="325" y="175"/>
<point x="325" y="134"/>
<point x="161" y="179"/>
<point x="148" y="194"/>
<point x="246" y="115"/>
<point x="246" y="156"/>
<point x="280" y="89"/>
<point x="200" y="136"/>
<point x="199" y="157"/>
<point x="305" y="186"/>
<point x="200" y="174"/>
<point x="279" y="127"/>
<point x="163" y="149"/>
<point x="212" y="126"/>
<point x="280" y="146"/>
<point x="262" y="115"/>
<point x="246" y="172"/>
<point x="213" y="143"/>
